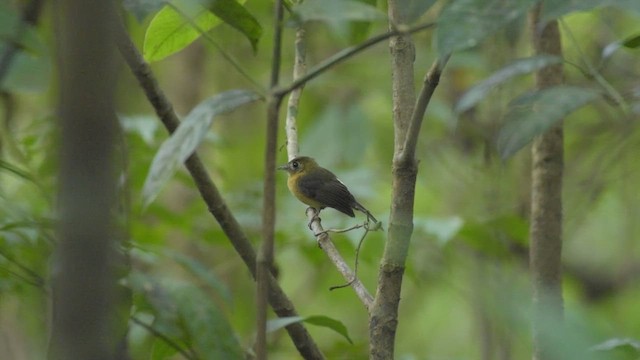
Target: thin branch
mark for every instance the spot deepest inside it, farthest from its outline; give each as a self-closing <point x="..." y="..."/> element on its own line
<point x="210" y="194"/>
<point x="162" y="337"/>
<point x="334" y="255"/>
<point x="265" y="254"/>
<point x="347" y="53"/>
<point x="431" y="81"/>
<point x="299" y="69"/>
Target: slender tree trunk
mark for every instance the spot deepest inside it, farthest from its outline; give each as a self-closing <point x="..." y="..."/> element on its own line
<point x="384" y="313"/>
<point x="546" y="201"/>
<point x="84" y="282"/>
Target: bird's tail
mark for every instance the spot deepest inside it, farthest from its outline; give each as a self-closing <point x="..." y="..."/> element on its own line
<point x="365" y="211"/>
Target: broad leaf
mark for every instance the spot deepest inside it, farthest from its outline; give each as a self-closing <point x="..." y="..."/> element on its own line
<point x="318" y="320"/>
<point x="632" y="42"/>
<point x="555" y="9"/>
<point x="212" y="335"/>
<point x="172" y="28"/>
<point x="465" y="23"/>
<point x="630" y="348"/>
<point x="518" y="67"/>
<point x="534" y="113"/>
<point x="202" y="273"/>
<point x="183" y="142"/>
<point x="336" y="10"/>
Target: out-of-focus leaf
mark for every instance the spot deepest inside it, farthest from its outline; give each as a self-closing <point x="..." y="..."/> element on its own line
<point x="12" y="30"/>
<point x="444" y="229"/>
<point x="535" y="112"/>
<point x="496" y="235"/>
<point x="204" y="274"/>
<point x="162" y="351"/>
<point x="211" y="333"/>
<point x="27" y="73"/>
<point x="144" y="125"/>
<point x="555" y="9"/>
<point x="171" y="29"/>
<point x="183" y="142"/>
<point x="412" y="10"/>
<point x="336" y="10"/>
<point x="465" y="23"/>
<point x="626" y="348"/>
<point x="632" y="42"/>
<point x="518" y="67"/>
<point x="234" y="14"/>
<point x="318" y="320"/>
<point x="142" y="8"/>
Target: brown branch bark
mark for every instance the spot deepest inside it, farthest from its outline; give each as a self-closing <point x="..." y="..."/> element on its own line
<point x="265" y="254"/>
<point x="210" y="194"/>
<point x="84" y="282"/>
<point x="546" y="200"/>
<point x="407" y="116"/>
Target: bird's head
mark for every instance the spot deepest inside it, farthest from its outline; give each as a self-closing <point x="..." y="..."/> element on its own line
<point x="298" y="165"/>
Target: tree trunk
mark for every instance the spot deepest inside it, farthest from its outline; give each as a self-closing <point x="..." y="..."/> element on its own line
<point x="546" y="201"/>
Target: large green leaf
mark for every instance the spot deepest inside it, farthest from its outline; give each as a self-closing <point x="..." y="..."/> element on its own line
<point x="555" y="9"/>
<point x="27" y="73"/>
<point x="172" y="28"/>
<point x="318" y="320"/>
<point x="183" y="142"/>
<point x="535" y="112"/>
<point x="518" y="67"/>
<point x="465" y="23"/>
<point x="212" y="335"/>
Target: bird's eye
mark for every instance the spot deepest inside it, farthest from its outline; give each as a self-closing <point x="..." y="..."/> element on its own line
<point x="295" y="164"/>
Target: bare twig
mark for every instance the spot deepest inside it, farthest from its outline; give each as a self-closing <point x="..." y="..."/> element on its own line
<point x="299" y="69"/>
<point x="346" y="54"/>
<point x="431" y="80"/>
<point x="334" y="255"/>
<point x="355" y="267"/>
<point x="279" y="301"/>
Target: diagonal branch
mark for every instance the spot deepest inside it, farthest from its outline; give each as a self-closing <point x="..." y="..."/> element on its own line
<point x="278" y="300"/>
<point x="346" y="54"/>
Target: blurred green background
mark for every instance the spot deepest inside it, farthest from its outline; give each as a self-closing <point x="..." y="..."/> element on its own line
<point x="466" y="289"/>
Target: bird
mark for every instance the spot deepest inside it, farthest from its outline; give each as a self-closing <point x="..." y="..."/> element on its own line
<point x="320" y="188"/>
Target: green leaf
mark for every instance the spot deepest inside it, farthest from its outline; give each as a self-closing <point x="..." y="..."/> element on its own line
<point x="234" y="14"/>
<point x="412" y="10"/>
<point x="535" y="112"/>
<point x="625" y="348"/>
<point x="555" y="9"/>
<point x="204" y="274"/>
<point x="632" y="42"/>
<point x="183" y="142"/>
<point x="465" y="23"/>
<point x="171" y="29"/>
<point x="518" y="67"/>
<point x="212" y="335"/>
<point x="332" y="11"/>
<point x="318" y="320"/>
<point x="27" y="73"/>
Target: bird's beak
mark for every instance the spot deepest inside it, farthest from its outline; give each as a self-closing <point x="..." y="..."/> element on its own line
<point x="283" y="167"/>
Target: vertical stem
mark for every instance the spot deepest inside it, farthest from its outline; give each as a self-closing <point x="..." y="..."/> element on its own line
<point x="546" y="201"/>
<point x="83" y="280"/>
<point x="383" y="319"/>
<point x="299" y="69"/>
<point x="264" y="258"/>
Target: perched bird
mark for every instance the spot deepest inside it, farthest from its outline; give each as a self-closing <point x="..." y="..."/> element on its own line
<point x="320" y="188"/>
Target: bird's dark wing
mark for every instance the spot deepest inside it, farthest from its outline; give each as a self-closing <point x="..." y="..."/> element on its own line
<point x="326" y="189"/>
